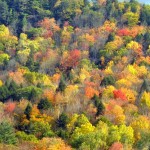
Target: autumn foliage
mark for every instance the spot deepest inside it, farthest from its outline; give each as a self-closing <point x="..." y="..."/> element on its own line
<point x="90" y="92"/>
<point x="71" y="60"/>
<point x="10" y="107"/>
<point x="116" y="146"/>
<point x="74" y="74"/>
<point x="119" y="94"/>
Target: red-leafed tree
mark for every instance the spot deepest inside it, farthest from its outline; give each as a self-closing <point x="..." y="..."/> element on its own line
<point x="133" y="32"/>
<point x="119" y="94"/>
<point x="123" y="32"/>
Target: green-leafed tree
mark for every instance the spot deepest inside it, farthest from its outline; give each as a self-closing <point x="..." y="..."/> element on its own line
<point x="7" y="133"/>
<point x="44" y="104"/>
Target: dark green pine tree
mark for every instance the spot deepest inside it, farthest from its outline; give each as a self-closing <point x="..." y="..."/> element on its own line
<point x="62" y="121"/>
<point x="61" y="124"/>
<point x="4" y="93"/>
<point x="28" y="111"/>
<point x="33" y="94"/>
<point x="62" y="84"/>
<point x="99" y="105"/>
<point x="33" y="66"/>
<point x="44" y="104"/>
<point x="4" y="12"/>
<point x="108" y="80"/>
<point x="12" y="87"/>
<point x="111" y="37"/>
<point x="7" y="134"/>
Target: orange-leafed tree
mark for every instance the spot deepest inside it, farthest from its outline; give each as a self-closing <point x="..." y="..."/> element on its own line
<point x="115" y="113"/>
<point x="130" y="94"/>
<point x="17" y="76"/>
<point x="50" y="27"/>
<point x="56" y="78"/>
<point x="52" y="144"/>
<point x="49" y="94"/>
<point x="10" y="107"/>
<point x="49" y="24"/>
<point x="136" y="30"/>
<point x="116" y="146"/>
<point x="71" y="60"/>
<point x="133" y="32"/>
<point x="90" y="92"/>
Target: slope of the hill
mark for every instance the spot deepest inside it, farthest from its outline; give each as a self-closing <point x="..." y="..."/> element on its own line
<point x="74" y="75"/>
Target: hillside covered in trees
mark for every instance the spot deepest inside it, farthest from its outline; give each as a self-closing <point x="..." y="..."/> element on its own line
<point x="74" y="75"/>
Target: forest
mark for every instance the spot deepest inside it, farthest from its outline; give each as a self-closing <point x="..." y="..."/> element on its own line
<point x="74" y="75"/>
